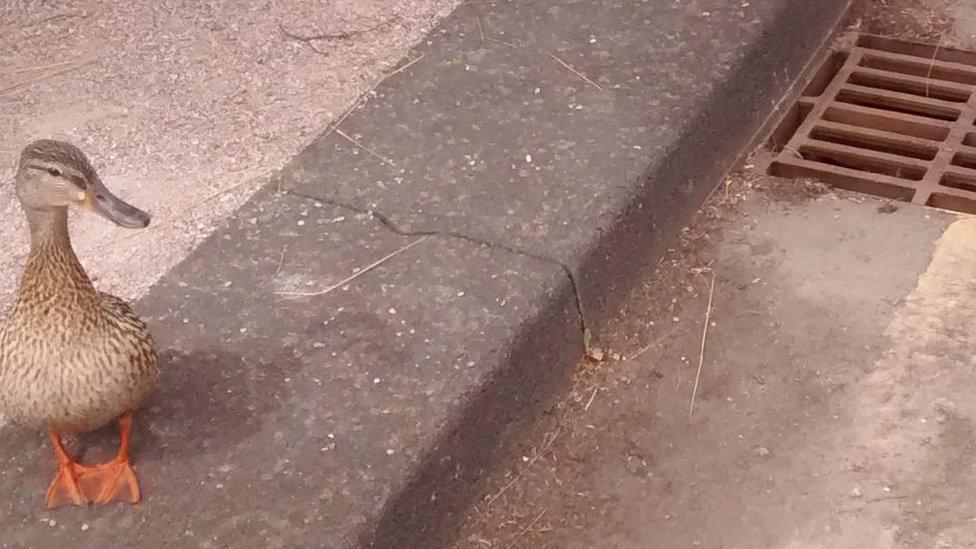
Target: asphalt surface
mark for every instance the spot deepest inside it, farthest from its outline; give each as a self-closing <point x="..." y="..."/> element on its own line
<point x="351" y="350"/>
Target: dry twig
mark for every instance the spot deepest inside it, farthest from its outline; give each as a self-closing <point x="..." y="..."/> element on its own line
<point x="365" y="148"/>
<point x="528" y="465"/>
<point x="359" y="101"/>
<point x="40" y="67"/>
<point x="481" y="30"/>
<point x="54" y="17"/>
<point x="497" y="41"/>
<point x="349" y="279"/>
<point x="576" y="72"/>
<point x="345" y="35"/>
<point x="589" y="402"/>
<point x="527" y="528"/>
<point x="928" y="75"/>
<point x="18" y="86"/>
<point x="656" y="341"/>
<point x="281" y="260"/>
<point x="701" y="355"/>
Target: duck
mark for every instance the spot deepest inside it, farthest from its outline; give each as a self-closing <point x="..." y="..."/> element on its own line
<point x="72" y="359"/>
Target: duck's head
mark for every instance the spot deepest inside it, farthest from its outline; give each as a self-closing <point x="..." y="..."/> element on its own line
<point x="57" y="175"/>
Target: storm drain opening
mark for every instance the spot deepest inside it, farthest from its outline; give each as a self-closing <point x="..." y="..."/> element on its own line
<point x="889" y="118"/>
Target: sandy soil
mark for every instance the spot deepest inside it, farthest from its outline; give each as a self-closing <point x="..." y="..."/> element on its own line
<point x="184" y="106"/>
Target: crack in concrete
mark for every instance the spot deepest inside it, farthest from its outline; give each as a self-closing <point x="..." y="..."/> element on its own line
<point x="394" y="228"/>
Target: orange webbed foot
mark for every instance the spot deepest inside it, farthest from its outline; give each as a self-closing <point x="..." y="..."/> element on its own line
<point x="65" y="489"/>
<point x="106" y="483"/>
<point x="110" y="482"/>
<point x="115" y="480"/>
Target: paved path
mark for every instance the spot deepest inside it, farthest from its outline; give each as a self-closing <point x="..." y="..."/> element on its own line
<point x="350" y="351"/>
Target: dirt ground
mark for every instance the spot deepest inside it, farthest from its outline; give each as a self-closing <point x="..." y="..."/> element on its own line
<point x="833" y="408"/>
<point x="928" y="21"/>
<point x="830" y="411"/>
<point x="184" y="106"/>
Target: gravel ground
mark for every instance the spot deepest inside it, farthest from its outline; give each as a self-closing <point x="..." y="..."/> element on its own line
<point x="184" y="107"/>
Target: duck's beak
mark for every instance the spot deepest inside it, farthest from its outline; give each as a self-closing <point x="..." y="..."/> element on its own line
<point x="113" y="208"/>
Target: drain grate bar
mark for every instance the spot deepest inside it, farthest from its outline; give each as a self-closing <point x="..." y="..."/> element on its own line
<point x="895" y="120"/>
<point x="906" y="64"/>
<point x="876" y="140"/>
<point x="914" y="85"/>
<point x="888" y="121"/>
<point x="898" y="102"/>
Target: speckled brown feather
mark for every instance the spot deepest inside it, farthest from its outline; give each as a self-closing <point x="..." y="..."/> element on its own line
<point x="71" y="358"/>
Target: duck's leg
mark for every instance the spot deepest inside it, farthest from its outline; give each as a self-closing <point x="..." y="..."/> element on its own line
<point x="64" y="488"/>
<point x="115" y="480"/>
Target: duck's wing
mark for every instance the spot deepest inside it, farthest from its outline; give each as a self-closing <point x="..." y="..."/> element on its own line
<point x="118" y="307"/>
<point x="120" y="311"/>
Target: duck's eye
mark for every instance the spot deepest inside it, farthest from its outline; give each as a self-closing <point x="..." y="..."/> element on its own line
<point x="77" y="181"/>
<point x="54" y="171"/>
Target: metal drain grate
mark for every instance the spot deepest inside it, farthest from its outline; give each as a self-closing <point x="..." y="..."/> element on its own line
<point x="889" y="118"/>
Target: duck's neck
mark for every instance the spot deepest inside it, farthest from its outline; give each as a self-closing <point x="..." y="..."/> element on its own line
<point x="52" y="265"/>
<point x="48" y="227"/>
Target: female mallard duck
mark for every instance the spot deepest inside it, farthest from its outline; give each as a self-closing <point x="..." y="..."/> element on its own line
<point x="72" y="358"/>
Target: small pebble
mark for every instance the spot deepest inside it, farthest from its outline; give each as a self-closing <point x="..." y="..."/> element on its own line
<point x="761" y="451"/>
<point x="596" y="354"/>
<point x="389" y="451"/>
<point x="85" y="527"/>
<point x="856" y="493"/>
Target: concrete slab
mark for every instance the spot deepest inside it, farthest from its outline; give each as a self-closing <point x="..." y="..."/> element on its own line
<point x="582" y="132"/>
<point x="312" y="420"/>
